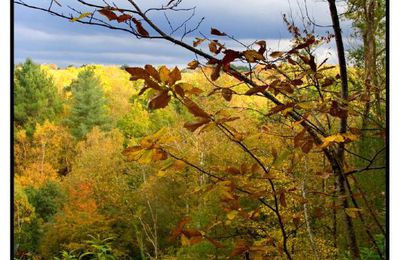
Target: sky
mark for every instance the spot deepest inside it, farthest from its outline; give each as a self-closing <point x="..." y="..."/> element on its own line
<point x="49" y="39"/>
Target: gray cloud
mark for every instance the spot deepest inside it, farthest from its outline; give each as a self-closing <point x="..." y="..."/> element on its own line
<point x="49" y="39"/>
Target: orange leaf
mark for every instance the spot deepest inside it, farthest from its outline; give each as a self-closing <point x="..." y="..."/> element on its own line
<point x="174" y="76"/>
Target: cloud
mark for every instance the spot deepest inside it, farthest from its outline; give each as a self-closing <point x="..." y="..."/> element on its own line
<point x="52" y="40"/>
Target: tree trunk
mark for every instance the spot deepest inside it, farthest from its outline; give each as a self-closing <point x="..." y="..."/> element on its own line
<point x="338" y="166"/>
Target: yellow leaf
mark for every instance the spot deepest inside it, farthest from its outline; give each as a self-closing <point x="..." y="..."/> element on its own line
<point x="83" y="15"/>
<point x="232" y="214"/>
<point x="352" y="212"/>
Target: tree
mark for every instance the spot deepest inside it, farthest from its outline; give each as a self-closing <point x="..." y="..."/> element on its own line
<point x="88" y="105"/>
<point x="313" y="109"/>
<point x="35" y="96"/>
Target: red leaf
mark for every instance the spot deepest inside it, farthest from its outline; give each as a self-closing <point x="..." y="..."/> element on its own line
<point x="123" y="18"/>
<point x="139" y="28"/>
<point x="109" y="14"/>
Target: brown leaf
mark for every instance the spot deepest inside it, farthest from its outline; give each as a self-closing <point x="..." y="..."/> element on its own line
<point x="195" y="109"/>
<point x="152" y="72"/>
<point x="282" y="199"/>
<point x="151" y="84"/>
<point x="230" y="55"/>
<point x="179" y="90"/>
<point x="140" y="28"/>
<point x="239" y="248"/>
<point x="213" y="47"/>
<point x="263" y="47"/>
<point x="109" y="14"/>
<point x="256" y="90"/>
<point x="307" y="146"/>
<point x="276" y="54"/>
<point x="193" y="64"/>
<point x="174" y="76"/>
<point x="137" y="73"/>
<point x="296" y="82"/>
<point x="227" y="94"/>
<point x="232" y="170"/>
<point x="161" y="100"/>
<point x="216" y="243"/>
<point x="159" y="155"/>
<point x="216" y="72"/>
<point x="192" y="126"/>
<point x="253" y="56"/>
<point x="217" y="32"/>
<point x="179" y="226"/>
<point x="123" y="18"/>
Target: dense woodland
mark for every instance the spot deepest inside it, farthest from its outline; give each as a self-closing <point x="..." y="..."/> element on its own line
<point x="268" y="161"/>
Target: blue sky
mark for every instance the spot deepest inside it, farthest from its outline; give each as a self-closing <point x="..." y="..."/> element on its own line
<point x="49" y="39"/>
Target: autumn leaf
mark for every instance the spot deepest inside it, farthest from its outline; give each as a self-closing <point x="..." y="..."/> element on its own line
<point x="239" y="248"/>
<point x="140" y="28"/>
<point x="161" y="100"/>
<point x="213" y="47"/>
<point x="151" y="84"/>
<point x="338" y="138"/>
<point x="108" y="13"/>
<point x="232" y="214"/>
<point x="352" y="212"/>
<point x="137" y="73"/>
<point x="263" y="47"/>
<point x="123" y="18"/>
<point x="253" y="56"/>
<point x="159" y="155"/>
<point x="174" y="76"/>
<point x="216" y="243"/>
<point x="179" y="90"/>
<point x="152" y="72"/>
<point x="192" y="126"/>
<point x="256" y="90"/>
<point x="164" y="74"/>
<point x="198" y="41"/>
<point x="230" y="55"/>
<point x="216" y="72"/>
<point x="83" y="15"/>
<point x="282" y="199"/>
<point x="276" y="54"/>
<point x="179" y="226"/>
<point x="193" y="64"/>
<point x="227" y="94"/>
<point x="217" y="32"/>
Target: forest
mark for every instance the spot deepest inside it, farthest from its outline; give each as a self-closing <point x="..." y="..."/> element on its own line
<point x="246" y="153"/>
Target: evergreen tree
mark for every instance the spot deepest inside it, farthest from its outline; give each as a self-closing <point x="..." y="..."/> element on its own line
<point x="35" y="96"/>
<point x="88" y="105"/>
